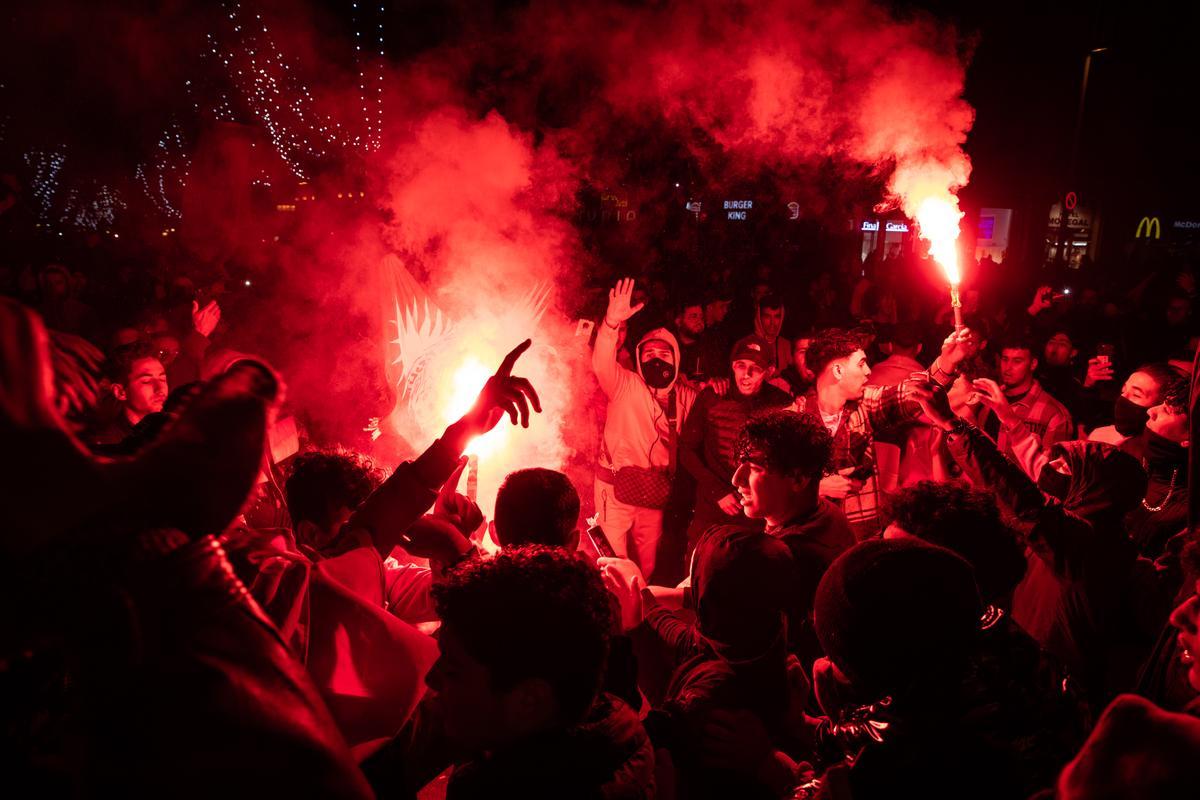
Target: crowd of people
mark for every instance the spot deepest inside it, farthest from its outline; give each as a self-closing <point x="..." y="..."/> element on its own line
<point x="832" y="546"/>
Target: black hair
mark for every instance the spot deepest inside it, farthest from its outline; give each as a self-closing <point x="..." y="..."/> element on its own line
<point x="1162" y="373"/>
<point x="905" y="335"/>
<point x="830" y="345"/>
<point x="966" y="521"/>
<point x="536" y="506"/>
<point x="532" y="612"/>
<point x="323" y="481"/>
<point x="1176" y="394"/>
<point x="794" y="444"/>
<point x="121" y="361"/>
<point x="1018" y="339"/>
<point x="770" y="300"/>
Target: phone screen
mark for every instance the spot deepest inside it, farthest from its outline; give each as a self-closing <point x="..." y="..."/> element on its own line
<point x="600" y="542"/>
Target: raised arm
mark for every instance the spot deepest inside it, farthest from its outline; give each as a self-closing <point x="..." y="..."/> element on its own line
<point x="893" y="406"/>
<point x="604" y="355"/>
<point x="413" y="487"/>
<point x="1060" y="539"/>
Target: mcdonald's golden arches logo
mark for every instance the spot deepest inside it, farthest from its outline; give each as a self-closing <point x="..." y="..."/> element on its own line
<point x="1149" y="227"/>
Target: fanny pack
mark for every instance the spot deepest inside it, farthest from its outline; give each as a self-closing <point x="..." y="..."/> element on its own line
<point x="649" y="487"/>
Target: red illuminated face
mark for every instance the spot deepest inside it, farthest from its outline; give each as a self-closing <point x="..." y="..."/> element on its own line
<point x="657" y="349"/>
<point x="716" y="311"/>
<point x="1168" y="423"/>
<point x="1186" y="619"/>
<point x="692" y="320"/>
<point x="1016" y="367"/>
<point x="1141" y="389"/>
<point x="146" y="390"/>
<point x="851" y="374"/>
<point x="748" y="376"/>
<point x="762" y="493"/>
<point x="772" y="321"/>
<point x="800" y="356"/>
<point x="1059" y="351"/>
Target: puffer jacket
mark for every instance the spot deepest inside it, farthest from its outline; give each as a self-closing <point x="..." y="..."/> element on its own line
<point x="711" y="432"/>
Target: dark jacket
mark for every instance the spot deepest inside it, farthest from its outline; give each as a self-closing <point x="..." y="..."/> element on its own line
<point x="1086" y="597"/>
<point x="608" y="756"/>
<point x="815" y="539"/>
<point x="707" y="444"/>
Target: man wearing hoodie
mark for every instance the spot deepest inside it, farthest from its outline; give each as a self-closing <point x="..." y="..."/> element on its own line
<point x="768" y="323"/>
<point x="646" y="412"/>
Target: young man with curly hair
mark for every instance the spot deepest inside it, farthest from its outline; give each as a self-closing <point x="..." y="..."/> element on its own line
<point x="515" y="703"/>
<point x="853" y="411"/>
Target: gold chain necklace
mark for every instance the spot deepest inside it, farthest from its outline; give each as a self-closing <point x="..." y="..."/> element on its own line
<point x="1166" y="499"/>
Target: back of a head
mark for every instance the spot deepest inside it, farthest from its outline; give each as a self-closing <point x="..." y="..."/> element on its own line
<point x="536" y="506"/>
<point x="532" y="612"/>
<point x="830" y="345"/>
<point x="897" y="617"/>
<point x="966" y="521"/>
<point x="744" y="583"/>
<point x="322" y="482"/>
<point x="905" y="337"/>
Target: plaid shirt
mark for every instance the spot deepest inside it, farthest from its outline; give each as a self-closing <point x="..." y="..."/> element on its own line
<point x="1046" y="418"/>
<point x="881" y="408"/>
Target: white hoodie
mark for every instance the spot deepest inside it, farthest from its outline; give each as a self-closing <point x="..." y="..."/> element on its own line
<point x="635" y="431"/>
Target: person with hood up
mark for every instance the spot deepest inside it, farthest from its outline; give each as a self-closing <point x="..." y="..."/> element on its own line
<point x="1086" y="597"/>
<point x="646" y="413"/>
<point x="734" y="659"/>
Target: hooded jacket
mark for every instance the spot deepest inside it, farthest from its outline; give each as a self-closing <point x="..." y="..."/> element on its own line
<point x="1086" y="597"/>
<point x="636" y="433"/>
<point x="735" y="657"/>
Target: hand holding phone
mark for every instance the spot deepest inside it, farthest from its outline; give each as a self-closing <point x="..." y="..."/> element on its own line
<point x="600" y="543"/>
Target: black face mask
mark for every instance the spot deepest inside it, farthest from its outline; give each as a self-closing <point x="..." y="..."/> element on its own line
<point x="657" y="373"/>
<point x="1054" y="483"/>
<point x="1161" y="450"/>
<point x="1128" y="417"/>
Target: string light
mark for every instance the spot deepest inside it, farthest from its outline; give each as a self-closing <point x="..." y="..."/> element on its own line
<point x="98" y="211"/>
<point x="46" y="167"/>
<point x="257" y="68"/>
<point x="166" y="171"/>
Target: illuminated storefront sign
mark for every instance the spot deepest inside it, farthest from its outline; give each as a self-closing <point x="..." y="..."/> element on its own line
<point x="888" y="227"/>
<point x="736" y="209"/>
<point x="1149" y="227"/>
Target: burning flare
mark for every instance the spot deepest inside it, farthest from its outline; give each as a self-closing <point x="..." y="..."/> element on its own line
<point x="937" y="223"/>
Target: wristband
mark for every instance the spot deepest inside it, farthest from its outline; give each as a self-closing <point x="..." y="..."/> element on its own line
<point x="616" y="327"/>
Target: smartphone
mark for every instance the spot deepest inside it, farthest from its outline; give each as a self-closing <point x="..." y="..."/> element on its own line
<point x="584" y="328"/>
<point x="1104" y="353"/>
<point x="600" y="542"/>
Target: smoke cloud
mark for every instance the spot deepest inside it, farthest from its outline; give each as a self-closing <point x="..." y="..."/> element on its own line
<point x="410" y="268"/>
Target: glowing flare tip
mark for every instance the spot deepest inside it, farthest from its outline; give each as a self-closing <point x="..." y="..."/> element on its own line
<point x="937" y="219"/>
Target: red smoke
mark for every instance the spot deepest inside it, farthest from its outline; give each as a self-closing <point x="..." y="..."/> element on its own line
<point x="488" y="139"/>
<point x="477" y="175"/>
